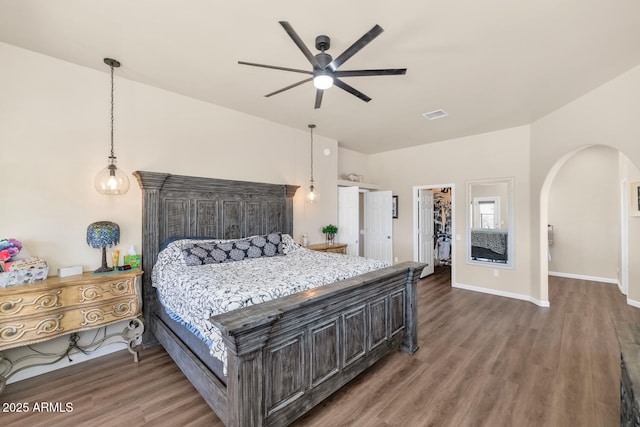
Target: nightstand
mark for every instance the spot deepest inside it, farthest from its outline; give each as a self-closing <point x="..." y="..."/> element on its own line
<point x="338" y="248"/>
<point x="36" y="312"/>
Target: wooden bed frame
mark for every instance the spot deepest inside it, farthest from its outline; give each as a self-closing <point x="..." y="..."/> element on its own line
<point x="287" y="355"/>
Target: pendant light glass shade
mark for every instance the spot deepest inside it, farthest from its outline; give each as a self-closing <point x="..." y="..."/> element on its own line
<point x="312" y="194"/>
<point x="111" y="181"/>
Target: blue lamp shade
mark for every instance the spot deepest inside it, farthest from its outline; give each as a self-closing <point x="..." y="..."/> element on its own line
<point x="100" y="235"/>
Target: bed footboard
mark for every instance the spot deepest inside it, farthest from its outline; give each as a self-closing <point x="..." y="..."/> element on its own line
<point x="287" y="355"/>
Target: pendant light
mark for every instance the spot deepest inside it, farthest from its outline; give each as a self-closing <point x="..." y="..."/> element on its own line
<point x="312" y="195"/>
<point x="111" y="180"/>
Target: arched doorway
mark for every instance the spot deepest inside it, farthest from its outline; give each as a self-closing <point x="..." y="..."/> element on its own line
<point x="594" y="247"/>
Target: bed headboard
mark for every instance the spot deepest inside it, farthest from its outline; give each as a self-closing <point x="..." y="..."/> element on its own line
<point x="176" y="205"/>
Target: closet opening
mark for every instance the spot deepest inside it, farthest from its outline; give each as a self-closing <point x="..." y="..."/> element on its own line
<point x="434" y="232"/>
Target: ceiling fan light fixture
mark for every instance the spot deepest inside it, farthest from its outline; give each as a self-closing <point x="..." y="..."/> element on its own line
<point x="323" y="81"/>
<point x="325" y="70"/>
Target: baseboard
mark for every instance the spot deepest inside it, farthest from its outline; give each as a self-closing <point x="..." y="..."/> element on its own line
<point x="583" y="277"/>
<point x="502" y="294"/>
<point x="633" y="303"/>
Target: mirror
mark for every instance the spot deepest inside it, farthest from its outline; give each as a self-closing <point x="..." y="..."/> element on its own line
<point x="490" y="222"/>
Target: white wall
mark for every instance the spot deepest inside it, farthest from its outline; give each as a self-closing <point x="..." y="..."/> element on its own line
<point x="584" y="208"/>
<point x="606" y="116"/>
<point x="630" y="173"/>
<point x="498" y="154"/>
<point x="54" y="136"/>
<point x="350" y="161"/>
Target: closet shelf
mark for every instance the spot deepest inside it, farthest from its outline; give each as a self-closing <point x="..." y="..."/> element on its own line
<point x="347" y="183"/>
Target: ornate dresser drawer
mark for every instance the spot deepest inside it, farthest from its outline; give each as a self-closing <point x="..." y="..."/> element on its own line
<point x="40" y="311"/>
<point x="44" y="297"/>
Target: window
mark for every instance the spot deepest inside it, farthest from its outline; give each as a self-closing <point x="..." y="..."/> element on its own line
<point x="486" y="212"/>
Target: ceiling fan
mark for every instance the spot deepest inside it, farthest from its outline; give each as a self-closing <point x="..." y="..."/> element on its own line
<point x="325" y="71"/>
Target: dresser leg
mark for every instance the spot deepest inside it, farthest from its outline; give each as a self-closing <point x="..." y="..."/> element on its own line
<point x="5" y="369"/>
<point x="132" y="334"/>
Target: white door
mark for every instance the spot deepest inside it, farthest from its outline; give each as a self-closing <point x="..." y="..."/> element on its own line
<point x="378" y="226"/>
<point x="348" y="218"/>
<point x="425" y="231"/>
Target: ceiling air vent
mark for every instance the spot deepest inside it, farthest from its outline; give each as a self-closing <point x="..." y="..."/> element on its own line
<point x="437" y="114"/>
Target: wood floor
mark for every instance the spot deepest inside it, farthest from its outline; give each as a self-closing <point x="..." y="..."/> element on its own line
<point x="483" y="361"/>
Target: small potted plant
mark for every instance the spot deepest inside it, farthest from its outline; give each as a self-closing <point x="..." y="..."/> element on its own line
<point x="330" y="233"/>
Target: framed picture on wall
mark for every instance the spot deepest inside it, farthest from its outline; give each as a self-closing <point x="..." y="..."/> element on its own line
<point x="635" y="198"/>
<point x="394" y="206"/>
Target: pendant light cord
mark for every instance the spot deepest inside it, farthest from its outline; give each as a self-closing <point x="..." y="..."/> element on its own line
<point x="112" y="155"/>
<point x="112" y="181"/>
<point x="311" y="127"/>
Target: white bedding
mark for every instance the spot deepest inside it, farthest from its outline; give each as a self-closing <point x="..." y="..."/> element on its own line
<point x="195" y="293"/>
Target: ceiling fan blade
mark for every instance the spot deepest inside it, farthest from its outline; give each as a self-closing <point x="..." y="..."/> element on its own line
<point x="342" y="85"/>
<point x="289" y="87"/>
<point x="275" y="67"/>
<point x="298" y="41"/>
<point x="385" y="72"/>
<point x="354" y="48"/>
<point x="319" y="93"/>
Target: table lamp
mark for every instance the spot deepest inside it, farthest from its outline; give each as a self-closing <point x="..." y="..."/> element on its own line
<point x="100" y="235"/>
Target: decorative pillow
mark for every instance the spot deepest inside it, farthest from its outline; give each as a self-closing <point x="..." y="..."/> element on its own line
<point x="289" y="245"/>
<point x="200" y="253"/>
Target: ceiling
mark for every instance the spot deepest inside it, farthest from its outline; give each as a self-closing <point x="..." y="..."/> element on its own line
<point x="489" y="64"/>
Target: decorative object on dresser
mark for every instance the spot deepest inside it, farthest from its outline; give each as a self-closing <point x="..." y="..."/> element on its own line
<point x="321" y="338"/>
<point x="100" y="235"/>
<point x="70" y="271"/>
<point x="312" y="195"/>
<point x="15" y="269"/>
<point x="28" y="270"/>
<point x="338" y="248"/>
<point x="131" y="258"/>
<point x="330" y="233"/>
<point x="32" y="313"/>
<point x="111" y="181"/>
<point x="9" y="248"/>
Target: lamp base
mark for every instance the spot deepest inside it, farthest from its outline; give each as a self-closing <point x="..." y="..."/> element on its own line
<point x="104" y="268"/>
